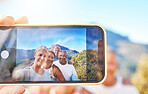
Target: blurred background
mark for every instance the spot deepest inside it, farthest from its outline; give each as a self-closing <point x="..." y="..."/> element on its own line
<point x="124" y="21"/>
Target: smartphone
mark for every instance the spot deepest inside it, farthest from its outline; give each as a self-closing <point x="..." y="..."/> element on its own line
<point x="52" y="54"/>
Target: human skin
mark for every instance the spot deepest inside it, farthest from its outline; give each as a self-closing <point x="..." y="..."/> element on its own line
<point x="112" y="66"/>
<point x="111" y="69"/>
<point x="62" y="58"/>
<point x="56" y="51"/>
<point x="49" y="61"/>
<point x="40" y="57"/>
<point x="56" y="72"/>
<point x="59" y="89"/>
<point x="8" y="21"/>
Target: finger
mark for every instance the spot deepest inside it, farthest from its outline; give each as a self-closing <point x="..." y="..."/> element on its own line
<point x="1" y="87"/>
<point x="39" y="89"/>
<point x="12" y="90"/>
<point x="22" y="20"/>
<point x="65" y="89"/>
<point x="7" y="20"/>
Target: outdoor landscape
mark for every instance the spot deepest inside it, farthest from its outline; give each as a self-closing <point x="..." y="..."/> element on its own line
<point x="126" y="52"/>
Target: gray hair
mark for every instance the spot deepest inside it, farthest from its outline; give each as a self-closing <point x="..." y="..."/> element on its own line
<point x="41" y="47"/>
<point x="63" y="51"/>
<point x="56" y="47"/>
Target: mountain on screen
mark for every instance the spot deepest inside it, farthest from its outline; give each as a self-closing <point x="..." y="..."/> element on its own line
<point x="23" y="54"/>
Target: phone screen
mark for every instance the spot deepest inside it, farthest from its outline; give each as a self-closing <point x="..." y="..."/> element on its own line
<point x="52" y="54"/>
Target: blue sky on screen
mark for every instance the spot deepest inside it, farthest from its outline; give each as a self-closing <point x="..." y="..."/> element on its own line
<point x="74" y="39"/>
<point x="125" y="17"/>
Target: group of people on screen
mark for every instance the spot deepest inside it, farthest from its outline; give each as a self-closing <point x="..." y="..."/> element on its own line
<point x="49" y="65"/>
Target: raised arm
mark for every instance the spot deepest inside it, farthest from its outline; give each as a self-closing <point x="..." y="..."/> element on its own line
<point x="57" y="73"/>
<point x="17" y="76"/>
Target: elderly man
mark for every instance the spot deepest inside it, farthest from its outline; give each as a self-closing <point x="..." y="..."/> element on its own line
<point x="113" y="84"/>
<point x="56" y="51"/>
<point x="65" y="67"/>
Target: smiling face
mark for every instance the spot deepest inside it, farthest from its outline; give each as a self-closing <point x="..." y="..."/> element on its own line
<point x="40" y="57"/>
<point x="50" y="59"/>
<point x="56" y="51"/>
<point x="62" y="57"/>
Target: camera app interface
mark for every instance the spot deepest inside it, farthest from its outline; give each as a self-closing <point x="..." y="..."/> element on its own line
<point x="51" y="55"/>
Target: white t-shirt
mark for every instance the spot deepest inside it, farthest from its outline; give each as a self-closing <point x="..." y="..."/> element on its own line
<point x="67" y="70"/>
<point x="31" y="75"/>
<point x="118" y="88"/>
<point x="50" y="71"/>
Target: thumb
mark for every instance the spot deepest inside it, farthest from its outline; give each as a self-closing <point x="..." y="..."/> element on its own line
<point x="22" y="20"/>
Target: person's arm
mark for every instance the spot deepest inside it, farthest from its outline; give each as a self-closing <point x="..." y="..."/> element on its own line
<point x="18" y="75"/>
<point x="57" y="73"/>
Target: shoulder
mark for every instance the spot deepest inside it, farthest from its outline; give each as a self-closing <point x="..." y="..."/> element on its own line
<point x="28" y="67"/>
<point x="69" y="62"/>
<point x="123" y="81"/>
<point x="46" y="70"/>
<point x="126" y="81"/>
<point x="131" y="89"/>
<point x="56" y="62"/>
<point x="54" y="67"/>
<point x="21" y="70"/>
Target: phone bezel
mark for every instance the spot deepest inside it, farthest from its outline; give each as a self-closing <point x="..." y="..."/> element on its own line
<point x="64" y="26"/>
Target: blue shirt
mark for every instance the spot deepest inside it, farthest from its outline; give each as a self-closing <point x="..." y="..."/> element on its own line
<point x="55" y="59"/>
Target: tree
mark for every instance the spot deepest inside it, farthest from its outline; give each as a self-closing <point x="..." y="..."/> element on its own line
<point x="87" y="65"/>
<point x="140" y="78"/>
<point x="79" y="62"/>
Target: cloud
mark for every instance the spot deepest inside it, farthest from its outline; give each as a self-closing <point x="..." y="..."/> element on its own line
<point x="65" y="40"/>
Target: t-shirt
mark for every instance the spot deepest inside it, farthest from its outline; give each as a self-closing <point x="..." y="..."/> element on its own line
<point x="118" y="88"/>
<point x="31" y="75"/>
<point x="50" y="71"/>
<point x="67" y="70"/>
<point x="55" y="59"/>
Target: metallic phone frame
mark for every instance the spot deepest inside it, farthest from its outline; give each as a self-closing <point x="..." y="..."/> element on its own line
<point x="65" y="25"/>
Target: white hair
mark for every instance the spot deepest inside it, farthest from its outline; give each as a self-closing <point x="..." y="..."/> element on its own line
<point x="63" y="51"/>
<point x="41" y="47"/>
<point x="56" y="47"/>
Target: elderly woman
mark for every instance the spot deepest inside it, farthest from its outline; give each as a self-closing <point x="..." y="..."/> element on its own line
<point x="54" y="71"/>
<point x="35" y="72"/>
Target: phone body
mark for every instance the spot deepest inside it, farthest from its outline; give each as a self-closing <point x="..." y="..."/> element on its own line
<point x="85" y="47"/>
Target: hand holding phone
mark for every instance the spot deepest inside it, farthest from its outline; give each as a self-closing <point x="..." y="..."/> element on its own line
<point x="14" y="89"/>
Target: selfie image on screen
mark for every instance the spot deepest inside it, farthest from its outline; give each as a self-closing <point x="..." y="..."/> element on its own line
<point x="34" y="46"/>
<point x="51" y="55"/>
